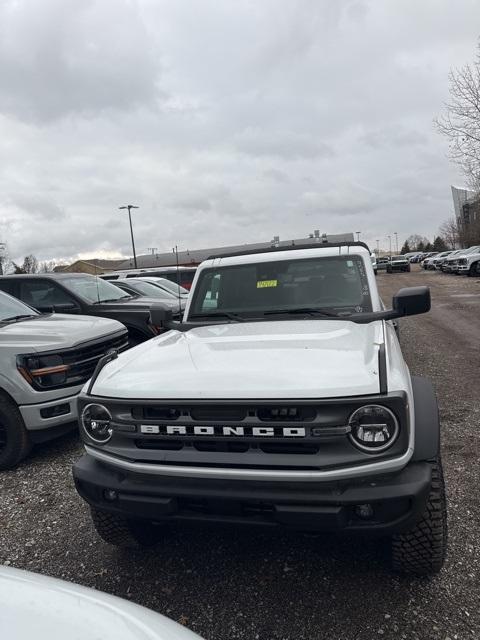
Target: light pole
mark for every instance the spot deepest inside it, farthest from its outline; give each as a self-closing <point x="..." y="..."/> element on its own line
<point x="358" y="235"/>
<point x="396" y="241"/>
<point x="378" y="247"/>
<point x="130" y="207"/>
<point x="390" y="245"/>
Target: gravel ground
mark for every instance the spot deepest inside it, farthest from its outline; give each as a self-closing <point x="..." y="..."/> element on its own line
<point x="226" y="583"/>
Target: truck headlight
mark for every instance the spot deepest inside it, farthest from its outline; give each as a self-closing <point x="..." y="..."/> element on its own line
<point x="43" y="371"/>
<point x="374" y="428"/>
<point x="96" y="421"/>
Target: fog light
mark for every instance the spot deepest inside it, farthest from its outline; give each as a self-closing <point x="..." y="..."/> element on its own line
<point x="96" y="421"/>
<point x="373" y="428"/>
<point x="110" y="494"/>
<point x="364" y="511"/>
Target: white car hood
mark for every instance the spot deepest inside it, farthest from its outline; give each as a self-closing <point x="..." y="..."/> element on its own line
<point x="41" y="608"/>
<point x="282" y="359"/>
<point x="52" y="331"/>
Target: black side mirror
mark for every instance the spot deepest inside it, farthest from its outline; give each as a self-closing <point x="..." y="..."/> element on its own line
<point x="160" y="316"/>
<point x="411" y="301"/>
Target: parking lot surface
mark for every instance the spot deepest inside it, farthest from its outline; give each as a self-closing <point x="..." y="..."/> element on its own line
<point x="243" y="583"/>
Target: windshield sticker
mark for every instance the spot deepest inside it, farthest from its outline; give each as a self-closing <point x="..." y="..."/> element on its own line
<point x="265" y="284"/>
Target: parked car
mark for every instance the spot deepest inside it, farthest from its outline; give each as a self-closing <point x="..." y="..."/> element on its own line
<point x="44" y="608"/>
<point x="137" y="287"/>
<point x="166" y="285"/>
<point x="438" y="260"/>
<point x="398" y="263"/>
<point x="469" y="263"/>
<point x="418" y="257"/>
<point x="44" y="362"/>
<point x="452" y="263"/>
<point x="382" y="263"/>
<point x="80" y="293"/>
<point x="180" y="275"/>
<point x="300" y="411"/>
<point x="427" y="263"/>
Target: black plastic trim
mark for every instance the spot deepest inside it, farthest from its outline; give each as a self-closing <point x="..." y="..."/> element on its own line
<point x="427" y="421"/>
<point x="290" y="247"/>
<point x="382" y="369"/>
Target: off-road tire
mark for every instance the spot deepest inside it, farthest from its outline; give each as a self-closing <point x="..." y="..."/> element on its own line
<point x="422" y="550"/>
<point x="14" y="439"/>
<point x="122" y="532"/>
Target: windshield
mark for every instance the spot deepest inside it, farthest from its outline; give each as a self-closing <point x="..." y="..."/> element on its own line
<point x="148" y="289"/>
<point x="338" y="284"/>
<point x="11" y="308"/>
<point x="173" y="287"/>
<point x="398" y="258"/>
<point x="94" y="289"/>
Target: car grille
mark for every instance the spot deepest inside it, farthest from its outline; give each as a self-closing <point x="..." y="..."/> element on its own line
<point x="83" y="360"/>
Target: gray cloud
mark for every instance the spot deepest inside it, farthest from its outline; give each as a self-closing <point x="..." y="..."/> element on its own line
<point x="225" y="122"/>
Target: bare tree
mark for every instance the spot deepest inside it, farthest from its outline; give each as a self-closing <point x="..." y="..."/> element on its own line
<point x="460" y="123"/>
<point x="416" y="242"/>
<point x="450" y="232"/>
<point x="47" y="266"/>
<point x="30" y="264"/>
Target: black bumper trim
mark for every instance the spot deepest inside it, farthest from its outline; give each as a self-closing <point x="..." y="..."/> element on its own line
<point x="398" y="500"/>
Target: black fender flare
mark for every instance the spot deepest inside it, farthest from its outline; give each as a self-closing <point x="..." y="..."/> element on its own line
<point x="427" y="420"/>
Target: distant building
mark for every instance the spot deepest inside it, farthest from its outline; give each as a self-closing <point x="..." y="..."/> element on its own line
<point x="196" y="256"/>
<point x="90" y="266"/>
<point x="467" y="213"/>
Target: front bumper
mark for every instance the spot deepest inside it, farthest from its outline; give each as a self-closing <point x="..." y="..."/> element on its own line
<point x="47" y="420"/>
<point x="396" y="500"/>
<point x="463" y="268"/>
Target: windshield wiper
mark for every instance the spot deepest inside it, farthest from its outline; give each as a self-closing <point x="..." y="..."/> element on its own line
<point x="303" y="311"/>
<point x="114" y="299"/>
<point x="219" y="314"/>
<point x="19" y="317"/>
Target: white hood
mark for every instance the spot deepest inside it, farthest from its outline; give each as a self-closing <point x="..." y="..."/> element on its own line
<point x="288" y="359"/>
<point x="42" y="608"/>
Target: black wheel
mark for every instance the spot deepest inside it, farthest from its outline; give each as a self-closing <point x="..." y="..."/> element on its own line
<point x="389" y="270"/>
<point x="422" y="550"/>
<point x="122" y="532"/>
<point x="474" y="270"/>
<point x="14" y="440"/>
<point x="408" y="269"/>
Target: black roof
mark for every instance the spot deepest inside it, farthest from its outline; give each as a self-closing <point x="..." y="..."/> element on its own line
<point x="316" y="245"/>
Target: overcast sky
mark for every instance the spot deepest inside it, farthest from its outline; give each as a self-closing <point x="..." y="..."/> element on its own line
<point x="225" y="121"/>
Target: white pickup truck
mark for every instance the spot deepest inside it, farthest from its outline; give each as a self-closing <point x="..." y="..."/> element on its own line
<point x="282" y="399"/>
<point x="45" y="361"/>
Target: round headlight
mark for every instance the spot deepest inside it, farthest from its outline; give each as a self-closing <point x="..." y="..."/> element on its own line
<point x="373" y="428"/>
<point x="96" y="421"/>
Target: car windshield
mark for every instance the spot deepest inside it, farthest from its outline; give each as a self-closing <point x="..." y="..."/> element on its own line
<point x="398" y="258"/>
<point x="12" y="309"/>
<point x="94" y="289"/>
<point x="333" y="285"/>
<point x="173" y="287"/>
<point x="147" y="289"/>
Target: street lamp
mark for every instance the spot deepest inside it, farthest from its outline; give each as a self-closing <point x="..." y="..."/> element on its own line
<point x="390" y="245"/>
<point x="130" y="207"/>
<point x="378" y="247"/>
<point x="396" y="241"/>
<point x="358" y="235"/>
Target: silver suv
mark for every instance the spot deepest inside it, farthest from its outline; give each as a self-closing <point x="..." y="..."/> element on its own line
<point x="44" y="362"/>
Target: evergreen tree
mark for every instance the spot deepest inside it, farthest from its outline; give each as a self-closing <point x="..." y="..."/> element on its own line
<point x="439" y="244"/>
<point x="405" y="248"/>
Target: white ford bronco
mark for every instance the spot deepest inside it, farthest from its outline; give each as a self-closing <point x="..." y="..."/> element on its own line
<point x="281" y="399"/>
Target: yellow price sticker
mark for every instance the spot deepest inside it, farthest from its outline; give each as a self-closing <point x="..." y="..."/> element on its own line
<point x="265" y="284"/>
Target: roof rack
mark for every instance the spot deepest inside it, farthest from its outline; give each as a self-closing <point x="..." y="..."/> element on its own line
<point x="291" y="247"/>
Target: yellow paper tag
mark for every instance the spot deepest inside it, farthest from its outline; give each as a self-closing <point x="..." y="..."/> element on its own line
<point x="264" y="284"/>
